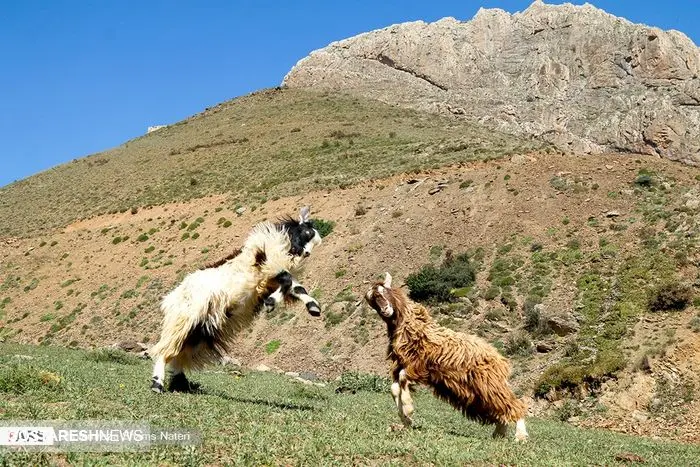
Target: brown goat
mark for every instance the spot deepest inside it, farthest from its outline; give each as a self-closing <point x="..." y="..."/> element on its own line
<point x="463" y="370"/>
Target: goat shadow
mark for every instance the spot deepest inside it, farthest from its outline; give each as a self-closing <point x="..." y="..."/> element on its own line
<point x="257" y="401"/>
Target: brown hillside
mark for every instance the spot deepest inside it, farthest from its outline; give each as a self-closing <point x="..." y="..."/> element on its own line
<point x="589" y="232"/>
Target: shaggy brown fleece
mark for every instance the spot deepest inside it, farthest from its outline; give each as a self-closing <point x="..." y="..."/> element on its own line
<point x="462" y="369"/>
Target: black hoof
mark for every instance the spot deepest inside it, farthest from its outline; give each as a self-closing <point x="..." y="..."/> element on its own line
<point x="313" y="309"/>
<point x="156" y="387"/>
<point x="269" y="303"/>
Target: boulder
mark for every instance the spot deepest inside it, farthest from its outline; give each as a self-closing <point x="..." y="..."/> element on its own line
<point x="583" y="79"/>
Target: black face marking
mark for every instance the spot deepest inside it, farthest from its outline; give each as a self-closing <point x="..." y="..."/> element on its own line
<point x="299" y="234"/>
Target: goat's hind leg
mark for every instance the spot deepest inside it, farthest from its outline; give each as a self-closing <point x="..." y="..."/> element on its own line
<point x="179" y="382"/>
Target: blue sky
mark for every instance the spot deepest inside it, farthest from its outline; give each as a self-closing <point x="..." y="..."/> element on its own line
<point x="81" y="76"/>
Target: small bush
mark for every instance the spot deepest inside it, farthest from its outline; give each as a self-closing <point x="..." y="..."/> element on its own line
<point x="109" y="355"/>
<point x="323" y="227"/>
<point x="142" y="238"/>
<point x="670" y="297"/>
<point x="116" y="240"/>
<point x="352" y="381"/>
<point x="226" y="224"/>
<point x="16" y="379"/>
<point x="466" y="184"/>
<point x="272" y="346"/>
<point x="437" y="284"/>
<point x="569" y="409"/>
<point x="518" y="343"/>
<point x="569" y="376"/>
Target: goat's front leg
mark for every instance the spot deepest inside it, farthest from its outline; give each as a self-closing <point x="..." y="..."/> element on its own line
<point x="289" y="287"/>
<point x="403" y="399"/>
<point x="299" y="293"/>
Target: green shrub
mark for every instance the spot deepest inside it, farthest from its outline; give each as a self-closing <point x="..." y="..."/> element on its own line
<point x="569" y="376"/>
<point x="142" y="238"/>
<point x="131" y="293"/>
<point x="109" y="355"/>
<point x="272" y="346"/>
<point x="352" y="381"/>
<point x="323" y="227"/>
<point x="438" y="284"/>
<point x="16" y="379"/>
<point x="671" y="296"/>
<point x="518" y="343"/>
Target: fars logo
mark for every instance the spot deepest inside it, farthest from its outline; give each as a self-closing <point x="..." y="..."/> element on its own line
<point x="26" y="436"/>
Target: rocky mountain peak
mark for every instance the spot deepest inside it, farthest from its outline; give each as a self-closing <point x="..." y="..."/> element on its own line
<point x="577" y="76"/>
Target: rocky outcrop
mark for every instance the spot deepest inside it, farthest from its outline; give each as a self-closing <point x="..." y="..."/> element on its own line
<point x="575" y="75"/>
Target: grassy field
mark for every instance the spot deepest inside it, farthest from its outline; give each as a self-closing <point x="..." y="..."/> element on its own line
<point x="269" y="419"/>
<point x="294" y="141"/>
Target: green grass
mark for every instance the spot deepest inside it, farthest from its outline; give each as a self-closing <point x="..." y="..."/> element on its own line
<point x="214" y="149"/>
<point x="268" y="419"/>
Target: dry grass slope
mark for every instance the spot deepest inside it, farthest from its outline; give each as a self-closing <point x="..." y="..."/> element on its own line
<point x="268" y="144"/>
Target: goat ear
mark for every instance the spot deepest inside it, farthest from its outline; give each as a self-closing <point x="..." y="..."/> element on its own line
<point x="304" y="214"/>
<point x="387" y="280"/>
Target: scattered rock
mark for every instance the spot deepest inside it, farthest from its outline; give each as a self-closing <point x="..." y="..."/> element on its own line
<point x="262" y="368"/>
<point x="640" y="416"/>
<point x="434" y="190"/>
<point x="230" y="361"/>
<point x="544" y="347"/>
<point x="612" y="214"/>
<point x="562" y="325"/>
<point x="641" y="77"/>
<point x="130" y="346"/>
<point x="629" y="457"/>
<point x="240" y="210"/>
<point x="693" y="203"/>
<point x="291" y="374"/>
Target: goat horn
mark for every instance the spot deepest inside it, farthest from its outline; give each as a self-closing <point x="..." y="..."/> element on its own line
<point x="387" y="280"/>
